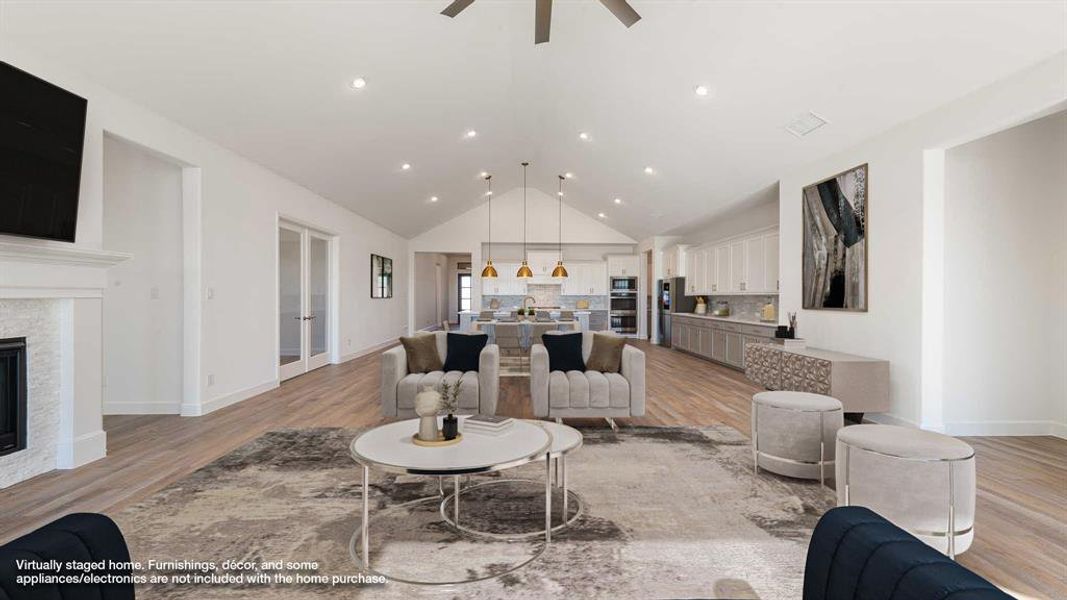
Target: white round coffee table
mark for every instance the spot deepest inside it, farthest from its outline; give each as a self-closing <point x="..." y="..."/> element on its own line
<point x="390" y="448"/>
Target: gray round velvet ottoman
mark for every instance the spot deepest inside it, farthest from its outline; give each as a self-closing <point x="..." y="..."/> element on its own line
<point x="922" y="481"/>
<point x="793" y="433"/>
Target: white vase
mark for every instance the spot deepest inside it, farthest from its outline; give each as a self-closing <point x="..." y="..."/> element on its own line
<point x="427" y="405"/>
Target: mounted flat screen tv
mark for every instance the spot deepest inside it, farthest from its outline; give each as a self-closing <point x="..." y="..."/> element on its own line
<point x="42" y="130"/>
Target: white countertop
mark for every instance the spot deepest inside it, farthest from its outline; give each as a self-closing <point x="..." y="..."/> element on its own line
<point x="502" y="311"/>
<point x="728" y="319"/>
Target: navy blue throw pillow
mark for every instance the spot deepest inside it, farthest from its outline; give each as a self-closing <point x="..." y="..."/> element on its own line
<point x="463" y="351"/>
<point x="564" y="352"/>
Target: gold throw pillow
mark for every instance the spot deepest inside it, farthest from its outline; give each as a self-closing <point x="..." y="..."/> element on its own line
<point x="606" y="355"/>
<point x="422" y="353"/>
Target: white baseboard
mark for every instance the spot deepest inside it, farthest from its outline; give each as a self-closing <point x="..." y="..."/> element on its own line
<point x="84" y="449"/>
<point x="1007" y="428"/>
<point x="142" y="408"/>
<point x="369" y="350"/>
<point x="196" y="410"/>
<point x="888" y="419"/>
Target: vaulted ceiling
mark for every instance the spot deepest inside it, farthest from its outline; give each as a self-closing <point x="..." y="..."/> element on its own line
<point x="272" y="81"/>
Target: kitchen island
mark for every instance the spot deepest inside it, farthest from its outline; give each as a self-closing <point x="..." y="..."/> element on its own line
<point x="467" y="317"/>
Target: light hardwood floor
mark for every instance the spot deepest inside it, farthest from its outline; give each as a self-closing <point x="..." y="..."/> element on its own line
<point x="1020" y="543"/>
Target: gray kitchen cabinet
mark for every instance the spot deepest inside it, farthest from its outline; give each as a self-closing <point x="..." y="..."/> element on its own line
<point x="735" y="351"/>
<point x="598" y="320"/>
<point x="704" y="336"/>
<point x="718" y="340"/>
<point x="718" y="345"/>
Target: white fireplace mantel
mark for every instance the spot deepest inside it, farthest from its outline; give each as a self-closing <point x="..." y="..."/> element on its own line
<point x="60" y="255"/>
<point x="76" y="277"/>
<point x="29" y="270"/>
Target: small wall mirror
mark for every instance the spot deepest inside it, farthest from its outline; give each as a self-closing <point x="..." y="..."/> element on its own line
<point x="381" y="277"/>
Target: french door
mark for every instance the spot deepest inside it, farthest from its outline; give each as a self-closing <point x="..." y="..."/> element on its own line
<point x="303" y="299"/>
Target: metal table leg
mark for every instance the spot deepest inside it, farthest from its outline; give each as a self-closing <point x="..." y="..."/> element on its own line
<point x="563" y="469"/>
<point x="455" y="505"/>
<point x="548" y="501"/>
<point x="366" y="518"/>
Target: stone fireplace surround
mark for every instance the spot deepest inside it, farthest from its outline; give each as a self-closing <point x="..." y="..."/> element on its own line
<point x="52" y="294"/>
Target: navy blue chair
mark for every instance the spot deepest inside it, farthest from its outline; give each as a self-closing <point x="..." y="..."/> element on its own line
<point x="856" y="554"/>
<point x="85" y="537"/>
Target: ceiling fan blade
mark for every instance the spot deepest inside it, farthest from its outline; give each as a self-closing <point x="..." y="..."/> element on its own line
<point x="622" y="11"/>
<point x="544" y="21"/>
<point x="456" y="7"/>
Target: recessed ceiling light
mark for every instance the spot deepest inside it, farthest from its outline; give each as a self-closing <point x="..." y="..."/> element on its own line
<point x="618" y="201"/>
<point x="472" y="133"/>
<point x="601" y="215"/>
<point x="433" y="198"/>
<point x="583" y="136"/>
<point x="702" y="90"/>
<point x="569" y="175"/>
<point x="359" y="83"/>
<point x="649" y="170"/>
<point x="405" y="167"/>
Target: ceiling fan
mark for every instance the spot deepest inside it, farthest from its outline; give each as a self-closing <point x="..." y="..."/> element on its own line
<point x="620" y="8"/>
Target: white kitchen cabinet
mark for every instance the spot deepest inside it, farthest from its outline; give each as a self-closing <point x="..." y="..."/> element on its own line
<point x="506" y="283"/>
<point x="598" y="279"/>
<point x="743" y="265"/>
<point x="699" y="273"/>
<point x="674" y="261"/>
<point x="737" y="266"/>
<point x="542" y="263"/>
<point x="711" y="270"/>
<point x="770" y="260"/>
<point x="690" y="267"/>
<point x="721" y="283"/>
<point x="623" y="265"/>
<point x="585" y="279"/>
<point x="755" y="266"/>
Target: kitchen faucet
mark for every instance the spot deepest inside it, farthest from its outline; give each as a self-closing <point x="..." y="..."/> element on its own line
<point x="531" y="298"/>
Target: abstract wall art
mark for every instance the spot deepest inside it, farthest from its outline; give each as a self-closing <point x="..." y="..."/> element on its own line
<point x="835" y="242"/>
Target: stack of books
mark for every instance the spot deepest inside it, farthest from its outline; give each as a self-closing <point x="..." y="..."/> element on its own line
<point x="487" y="424"/>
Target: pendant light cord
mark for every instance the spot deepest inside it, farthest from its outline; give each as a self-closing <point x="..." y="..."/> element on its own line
<point x="524" y="254"/>
<point x="561" y="218"/>
<point x="489" y="193"/>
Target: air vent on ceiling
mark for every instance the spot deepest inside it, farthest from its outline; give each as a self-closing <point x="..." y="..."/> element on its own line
<point x="805" y="124"/>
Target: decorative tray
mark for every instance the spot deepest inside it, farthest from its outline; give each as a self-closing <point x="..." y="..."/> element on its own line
<point x="440" y="441"/>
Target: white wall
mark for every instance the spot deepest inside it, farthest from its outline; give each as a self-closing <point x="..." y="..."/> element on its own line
<point x="430" y="296"/>
<point x="1004" y="278"/>
<point x="465" y="233"/>
<point x="892" y="329"/>
<point x="239" y="207"/>
<point x="143" y="302"/>
<point x="758" y="211"/>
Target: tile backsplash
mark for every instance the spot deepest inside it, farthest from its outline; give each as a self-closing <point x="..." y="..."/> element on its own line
<point x="747" y="307"/>
<point x="546" y="295"/>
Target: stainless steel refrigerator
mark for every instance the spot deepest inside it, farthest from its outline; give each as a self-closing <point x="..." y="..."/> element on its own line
<point x="671" y="299"/>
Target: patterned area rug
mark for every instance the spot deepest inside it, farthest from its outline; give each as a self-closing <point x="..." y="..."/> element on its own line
<point x="668" y="513"/>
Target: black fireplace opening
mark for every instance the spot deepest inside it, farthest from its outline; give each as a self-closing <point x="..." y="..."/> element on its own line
<point x="12" y="395"/>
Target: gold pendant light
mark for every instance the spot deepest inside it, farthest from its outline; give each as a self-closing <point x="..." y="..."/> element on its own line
<point x="560" y="270"/>
<point x="524" y="271"/>
<point x="489" y="270"/>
